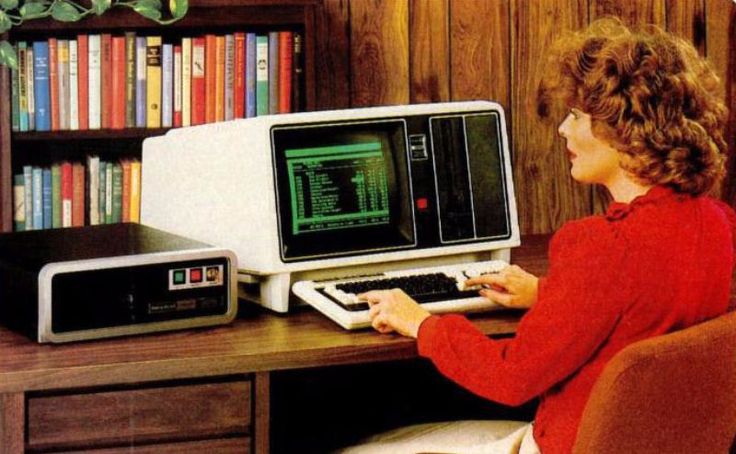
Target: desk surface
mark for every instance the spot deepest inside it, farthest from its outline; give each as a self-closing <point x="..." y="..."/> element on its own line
<point x="254" y="343"/>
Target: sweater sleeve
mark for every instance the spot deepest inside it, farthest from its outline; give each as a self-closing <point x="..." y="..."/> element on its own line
<point x="578" y="306"/>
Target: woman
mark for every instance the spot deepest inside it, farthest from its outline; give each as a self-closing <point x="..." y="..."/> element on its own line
<point x="643" y="120"/>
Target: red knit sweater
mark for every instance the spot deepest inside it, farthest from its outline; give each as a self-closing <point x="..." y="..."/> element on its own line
<point x="661" y="263"/>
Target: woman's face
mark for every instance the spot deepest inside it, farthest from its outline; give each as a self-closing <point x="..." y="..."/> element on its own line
<point x="593" y="160"/>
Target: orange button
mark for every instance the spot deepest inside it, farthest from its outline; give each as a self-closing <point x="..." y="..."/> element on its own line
<point x="195" y="275"/>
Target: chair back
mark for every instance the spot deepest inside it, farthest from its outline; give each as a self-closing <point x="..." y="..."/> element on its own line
<point x="672" y="394"/>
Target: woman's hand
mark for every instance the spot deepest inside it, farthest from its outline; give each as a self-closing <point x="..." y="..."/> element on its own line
<point x="394" y="310"/>
<point x="511" y="287"/>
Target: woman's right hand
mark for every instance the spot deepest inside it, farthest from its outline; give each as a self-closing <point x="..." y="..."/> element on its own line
<point x="511" y="287"/>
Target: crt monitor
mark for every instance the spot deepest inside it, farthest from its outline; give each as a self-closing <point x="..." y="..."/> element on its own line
<point x="337" y="193"/>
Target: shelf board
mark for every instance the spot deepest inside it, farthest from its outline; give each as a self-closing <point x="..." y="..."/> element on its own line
<point x="97" y="134"/>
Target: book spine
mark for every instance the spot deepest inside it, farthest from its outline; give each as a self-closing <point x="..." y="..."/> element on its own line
<point x="153" y="82"/>
<point x="93" y="178"/>
<point x="286" y="55"/>
<point x="30" y="88"/>
<point x="102" y="196"/>
<point x="37" y="198"/>
<point x="297" y="73"/>
<point x="199" y="89"/>
<point x="273" y="72"/>
<point x="109" y="170"/>
<point x="19" y="203"/>
<point x="54" y="82"/>
<point x="56" y="195"/>
<point x="106" y="75"/>
<point x="135" y="191"/>
<point x="78" y="194"/>
<point x="67" y="193"/>
<point x="250" y="75"/>
<point x="229" y="76"/>
<point x="130" y="79"/>
<point x="41" y="85"/>
<point x="239" y="76"/>
<point x="14" y="100"/>
<point x="262" y="75"/>
<point x="219" y="78"/>
<point x="125" y="164"/>
<point x="22" y="86"/>
<point x="140" y="82"/>
<point x="83" y="81"/>
<point x="210" y="77"/>
<point x="177" y="86"/>
<point x="28" y="195"/>
<point x="186" y="81"/>
<point x="73" y="85"/>
<point x="46" y="198"/>
<point x="63" y="80"/>
<point x="94" y="113"/>
<point x="117" y="74"/>
<point x="167" y="85"/>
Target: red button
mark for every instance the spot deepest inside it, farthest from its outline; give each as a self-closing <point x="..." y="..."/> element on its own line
<point x="422" y="203"/>
<point x="195" y="275"/>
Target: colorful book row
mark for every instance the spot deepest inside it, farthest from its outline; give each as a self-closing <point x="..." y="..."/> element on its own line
<point x="102" y="81"/>
<point x="70" y="194"/>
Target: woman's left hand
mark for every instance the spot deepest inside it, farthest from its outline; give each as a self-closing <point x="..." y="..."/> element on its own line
<point x="393" y="310"/>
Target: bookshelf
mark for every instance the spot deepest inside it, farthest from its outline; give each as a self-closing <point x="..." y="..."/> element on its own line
<point x="213" y="17"/>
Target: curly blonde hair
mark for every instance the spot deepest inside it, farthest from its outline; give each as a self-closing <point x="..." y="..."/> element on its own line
<point x="650" y="94"/>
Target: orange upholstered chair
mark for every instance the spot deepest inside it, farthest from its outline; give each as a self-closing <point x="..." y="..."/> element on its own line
<point x="669" y="394"/>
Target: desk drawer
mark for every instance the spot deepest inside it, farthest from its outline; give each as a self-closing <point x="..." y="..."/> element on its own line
<point x="140" y="415"/>
<point x="222" y="446"/>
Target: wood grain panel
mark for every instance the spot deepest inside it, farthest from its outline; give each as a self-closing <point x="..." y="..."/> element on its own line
<point x="429" y="51"/>
<point x="262" y="404"/>
<point x="546" y="195"/>
<point x="686" y="18"/>
<point x="223" y="446"/>
<point x="379" y="52"/>
<point x="139" y="415"/>
<point x="721" y="51"/>
<point x="631" y="11"/>
<point x="480" y="49"/>
<point x="332" y="63"/>
<point x="12" y="421"/>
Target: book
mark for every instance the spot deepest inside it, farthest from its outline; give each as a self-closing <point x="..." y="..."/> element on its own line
<point x="78" y="187"/>
<point x="167" y="85"/>
<point x="153" y="83"/>
<point x="130" y="79"/>
<point x="28" y="195"/>
<point x="118" y="70"/>
<point x="297" y="72"/>
<point x="46" y="200"/>
<point x="109" y="170"/>
<point x="219" y="78"/>
<point x="102" y="196"/>
<point x="22" y="86"/>
<point x="210" y="75"/>
<point x="229" y="77"/>
<point x="135" y="191"/>
<point x="30" y="88"/>
<point x="62" y="53"/>
<point x="94" y="114"/>
<point x="73" y="85"/>
<point x="54" y="83"/>
<point x="262" y="75"/>
<point x="199" y="90"/>
<point x="250" y="75"/>
<point x="286" y="50"/>
<point x="186" y="81"/>
<point x="117" y="193"/>
<point x="177" y="86"/>
<point x="67" y="193"/>
<point x="41" y="85"/>
<point x="273" y="72"/>
<point x="14" y="100"/>
<point x="125" y="164"/>
<point x="37" y="173"/>
<point x="56" y="195"/>
<point x="19" y="203"/>
<point x="106" y="73"/>
<point x="239" y="76"/>
<point x="140" y="82"/>
<point x="93" y="191"/>
<point x="83" y="81"/>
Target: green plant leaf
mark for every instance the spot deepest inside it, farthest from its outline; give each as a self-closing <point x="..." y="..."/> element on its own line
<point x="178" y="8"/>
<point x="100" y="6"/>
<point x="5" y="23"/>
<point x="65" y="12"/>
<point x="7" y="5"/>
<point x="148" y="8"/>
<point x="7" y="55"/>
<point x="31" y="9"/>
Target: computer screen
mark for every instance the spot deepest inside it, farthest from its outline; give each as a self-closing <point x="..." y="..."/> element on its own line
<point x="342" y="188"/>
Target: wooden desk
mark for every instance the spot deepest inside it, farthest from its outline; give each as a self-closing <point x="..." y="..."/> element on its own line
<point x="186" y="390"/>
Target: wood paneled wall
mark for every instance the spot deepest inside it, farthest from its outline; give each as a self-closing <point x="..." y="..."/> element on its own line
<point x="384" y="52"/>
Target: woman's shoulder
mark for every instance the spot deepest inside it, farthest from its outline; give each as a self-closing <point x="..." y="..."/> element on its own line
<point x="586" y="235"/>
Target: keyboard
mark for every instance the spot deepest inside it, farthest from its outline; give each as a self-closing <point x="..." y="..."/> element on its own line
<point x="438" y="289"/>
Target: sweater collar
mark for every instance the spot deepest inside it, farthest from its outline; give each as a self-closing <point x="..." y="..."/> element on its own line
<point x="619" y="210"/>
